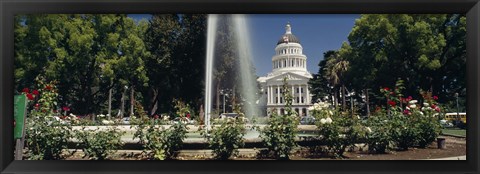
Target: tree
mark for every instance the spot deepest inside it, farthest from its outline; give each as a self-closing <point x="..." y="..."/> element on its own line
<point x="427" y="51"/>
<point x="319" y="84"/>
<point x="162" y="40"/>
<point x="335" y="70"/>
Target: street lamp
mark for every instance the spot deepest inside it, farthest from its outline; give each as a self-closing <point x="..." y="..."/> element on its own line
<point x="224" y="92"/>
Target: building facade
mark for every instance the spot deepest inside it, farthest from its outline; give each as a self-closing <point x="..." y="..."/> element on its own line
<point x="290" y="62"/>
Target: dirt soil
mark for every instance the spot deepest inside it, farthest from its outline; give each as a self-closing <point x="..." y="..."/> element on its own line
<point x="454" y="147"/>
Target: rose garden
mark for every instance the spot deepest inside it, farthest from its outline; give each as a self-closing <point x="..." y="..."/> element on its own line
<point x="185" y="88"/>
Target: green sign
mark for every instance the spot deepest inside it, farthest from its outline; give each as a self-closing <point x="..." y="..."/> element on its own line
<point x="20" y="110"/>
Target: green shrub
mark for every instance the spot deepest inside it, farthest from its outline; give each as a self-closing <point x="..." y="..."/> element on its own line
<point x="378" y="133"/>
<point x="165" y="143"/>
<point x="227" y="138"/>
<point x="279" y="135"/>
<point x="99" y="144"/>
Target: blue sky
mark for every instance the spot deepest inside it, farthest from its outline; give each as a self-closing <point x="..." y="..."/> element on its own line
<point x="317" y="33"/>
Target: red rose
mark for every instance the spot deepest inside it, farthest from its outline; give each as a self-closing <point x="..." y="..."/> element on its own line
<point x="37" y="106"/>
<point x="406" y="112"/>
<point x="386" y="89"/>
<point x="433" y="106"/>
<point x="25" y="90"/>
<point x="35" y="92"/>
<point x="30" y="96"/>
<point x="66" y="108"/>
<point x="48" y="87"/>
<point x="437" y="109"/>
<point x="155" y="117"/>
<point x="392" y="103"/>
<point x="435" y="97"/>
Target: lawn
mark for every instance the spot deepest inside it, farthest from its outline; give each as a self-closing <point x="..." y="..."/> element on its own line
<point x="457" y="132"/>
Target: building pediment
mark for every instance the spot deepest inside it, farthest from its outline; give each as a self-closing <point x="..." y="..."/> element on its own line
<point x="290" y="77"/>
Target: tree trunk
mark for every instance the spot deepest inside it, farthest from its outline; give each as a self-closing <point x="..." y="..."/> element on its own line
<point x="336" y="98"/>
<point x="153" y="102"/>
<point x="367" y="102"/>
<point x="132" y="100"/>
<point x="217" y="98"/>
<point x="110" y="103"/>
<point x="122" y="108"/>
<point x="344" y="105"/>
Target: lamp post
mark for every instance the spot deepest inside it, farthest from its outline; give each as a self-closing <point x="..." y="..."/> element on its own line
<point x="224" y="92"/>
<point x="458" y="110"/>
<point x="350" y="94"/>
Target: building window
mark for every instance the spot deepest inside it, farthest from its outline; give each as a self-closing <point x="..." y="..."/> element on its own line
<point x="281" y="99"/>
<point x="298" y="99"/>
<point x="302" y="99"/>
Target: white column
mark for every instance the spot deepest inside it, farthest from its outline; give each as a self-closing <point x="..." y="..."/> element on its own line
<point x="308" y="95"/>
<point x="268" y="94"/>
<point x="278" y="94"/>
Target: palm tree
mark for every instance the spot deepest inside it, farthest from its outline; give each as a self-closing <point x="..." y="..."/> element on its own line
<point x="336" y="67"/>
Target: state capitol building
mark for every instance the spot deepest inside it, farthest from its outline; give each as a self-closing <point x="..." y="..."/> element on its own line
<point x="288" y="61"/>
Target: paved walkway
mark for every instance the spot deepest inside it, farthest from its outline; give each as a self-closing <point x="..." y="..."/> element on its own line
<point x="464" y="157"/>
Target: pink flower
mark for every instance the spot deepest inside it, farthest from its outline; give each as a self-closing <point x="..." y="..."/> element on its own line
<point x="406" y="112"/>
<point x="437" y="109"/>
<point x="435" y="97"/>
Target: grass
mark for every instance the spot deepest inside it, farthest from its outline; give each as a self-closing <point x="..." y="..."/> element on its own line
<point x="457" y="132"/>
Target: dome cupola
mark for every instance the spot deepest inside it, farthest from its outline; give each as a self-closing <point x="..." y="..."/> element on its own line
<point x="288" y="37"/>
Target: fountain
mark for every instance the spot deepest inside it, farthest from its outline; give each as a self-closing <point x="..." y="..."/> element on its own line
<point x="211" y="30"/>
<point x="247" y="79"/>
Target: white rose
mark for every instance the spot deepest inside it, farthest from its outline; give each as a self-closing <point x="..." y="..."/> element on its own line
<point x="412" y="101"/>
<point x="369" y="130"/>
<point x="323" y="121"/>
<point x="310" y="108"/>
<point x="328" y="120"/>
<point x="330" y="112"/>
<point x="358" y="117"/>
<point x="412" y="106"/>
<point x="426" y="104"/>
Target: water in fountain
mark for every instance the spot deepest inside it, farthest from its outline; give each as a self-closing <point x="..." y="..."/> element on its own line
<point x="247" y="79"/>
<point x="211" y="30"/>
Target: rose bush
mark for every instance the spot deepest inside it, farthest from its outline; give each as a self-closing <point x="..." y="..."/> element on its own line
<point x="279" y="135"/>
<point x="47" y="134"/>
